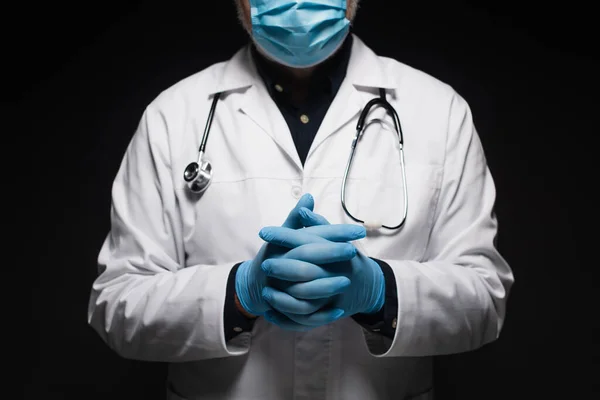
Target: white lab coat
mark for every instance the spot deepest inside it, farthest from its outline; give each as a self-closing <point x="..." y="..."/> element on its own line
<point x="164" y="265"/>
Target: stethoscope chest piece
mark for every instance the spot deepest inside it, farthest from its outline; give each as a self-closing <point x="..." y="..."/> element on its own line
<point x="198" y="175"/>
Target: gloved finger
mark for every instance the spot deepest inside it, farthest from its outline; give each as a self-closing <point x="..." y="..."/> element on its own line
<point x="312" y="290"/>
<point x="279" y="319"/>
<point x="294" y="218"/>
<point x="318" y="318"/>
<point x="311" y="218"/>
<point x="322" y="253"/>
<point x="289" y="269"/>
<point x="337" y="232"/>
<point x="283" y="302"/>
<point x="319" y="288"/>
<point x="291" y="238"/>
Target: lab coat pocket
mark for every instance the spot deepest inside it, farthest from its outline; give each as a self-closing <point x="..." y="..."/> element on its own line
<point x="383" y="199"/>
<point x="379" y="187"/>
<point x="223" y="225"/>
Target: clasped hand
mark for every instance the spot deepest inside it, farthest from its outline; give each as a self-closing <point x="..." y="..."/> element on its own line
<point x="307" y="274"/>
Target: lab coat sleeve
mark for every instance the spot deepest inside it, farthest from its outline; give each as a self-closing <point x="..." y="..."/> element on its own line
<point x="146" y="304"/>
<point x="455" y="300"/>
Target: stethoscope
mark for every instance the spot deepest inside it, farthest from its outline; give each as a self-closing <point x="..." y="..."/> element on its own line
<point x="198" y="175"/>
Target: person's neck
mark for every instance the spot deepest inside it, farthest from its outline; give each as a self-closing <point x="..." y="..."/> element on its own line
<point x="300" y="75"/>
<point x="297" y="79"/>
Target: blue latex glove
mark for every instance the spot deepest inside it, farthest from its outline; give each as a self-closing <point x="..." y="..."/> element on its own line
<point x="365" y="294"/>
<point x="251" y="281"/>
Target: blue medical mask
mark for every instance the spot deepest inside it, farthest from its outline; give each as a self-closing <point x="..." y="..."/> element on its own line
<point x="300" y="33"/>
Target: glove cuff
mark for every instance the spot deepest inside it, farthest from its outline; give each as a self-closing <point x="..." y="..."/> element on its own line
<point x="378" y="294"/>
<point x="241" y="286"/>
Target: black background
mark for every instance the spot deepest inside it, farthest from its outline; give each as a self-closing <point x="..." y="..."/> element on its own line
<point x="81" y="74"/>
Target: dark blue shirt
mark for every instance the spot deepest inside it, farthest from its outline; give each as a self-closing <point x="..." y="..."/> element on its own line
<point x="304" y="114"/>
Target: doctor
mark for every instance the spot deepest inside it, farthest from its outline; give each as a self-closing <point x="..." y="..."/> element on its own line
<point x="263" y="286"/>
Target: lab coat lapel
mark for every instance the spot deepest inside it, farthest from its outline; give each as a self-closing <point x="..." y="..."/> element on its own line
<point x="262" y="110"/>
<point x="240" y="74"/>
<point x="346" y="105"/>
<point x="365" y="75"/>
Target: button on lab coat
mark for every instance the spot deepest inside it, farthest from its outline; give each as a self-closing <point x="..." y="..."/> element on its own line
<point x="164" y="265"/>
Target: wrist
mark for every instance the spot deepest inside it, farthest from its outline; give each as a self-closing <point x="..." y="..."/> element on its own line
<point x="241" y="308"/>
